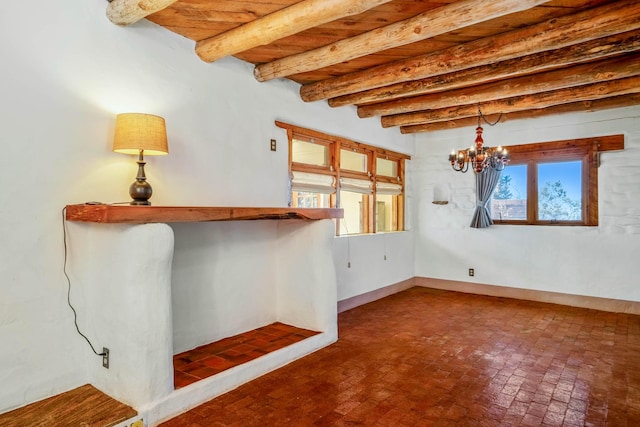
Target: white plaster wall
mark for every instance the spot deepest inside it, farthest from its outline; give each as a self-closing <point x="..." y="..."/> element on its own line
<point x="591" y="261"/>
<point x="361" y="266"/>
<point x="231" y="277"/>
<point x="125" y="271"/>
<point x="67" y="71"/>
<point x="305" y="281"/>
<point x="223" y="280"/>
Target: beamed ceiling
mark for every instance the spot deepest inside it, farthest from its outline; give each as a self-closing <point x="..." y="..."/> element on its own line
<point x="422" y="65"/>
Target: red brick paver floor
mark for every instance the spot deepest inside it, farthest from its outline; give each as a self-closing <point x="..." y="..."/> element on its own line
<point x="210" y="359"/>
<point x="434" y="358"/>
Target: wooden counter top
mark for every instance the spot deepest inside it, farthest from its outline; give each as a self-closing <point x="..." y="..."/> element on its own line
<point x="126" y="214"/>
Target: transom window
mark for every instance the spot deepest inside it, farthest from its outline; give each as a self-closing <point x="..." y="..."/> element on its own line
<point x="387" y="167"/>
<point x="311" y="152"/>
<point x="329" y="171"/>
<point x="554" y="183"/>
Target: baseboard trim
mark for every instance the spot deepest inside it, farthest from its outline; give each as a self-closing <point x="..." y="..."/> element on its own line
<point x="596" y="303"/>
<point x="353" y="302"/>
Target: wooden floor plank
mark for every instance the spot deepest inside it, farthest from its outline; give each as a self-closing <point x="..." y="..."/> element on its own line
<point x="84" y="406"/>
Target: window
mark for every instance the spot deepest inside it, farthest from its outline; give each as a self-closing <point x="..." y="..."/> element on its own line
<point x="310" y="152"/>
<point x="329" y="171"/>
<point x="388" y="192"/>
<point x="386" y="167"/>
<point x="554" y="183"/>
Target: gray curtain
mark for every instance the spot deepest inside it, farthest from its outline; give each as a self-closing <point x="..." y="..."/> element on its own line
<point x="486" y="182"/>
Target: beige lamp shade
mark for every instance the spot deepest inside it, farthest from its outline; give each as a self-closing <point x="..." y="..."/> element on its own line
<point x="138" y="131"/>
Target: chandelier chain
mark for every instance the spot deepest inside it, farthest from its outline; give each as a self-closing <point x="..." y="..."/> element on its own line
<point x="483" y="117"/>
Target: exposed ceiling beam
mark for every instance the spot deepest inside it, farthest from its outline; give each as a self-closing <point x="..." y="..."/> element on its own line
<point x="425" y="25"/>
<point x="125" y="12"/>
<point x="282" y="23"/>
<point x="614" y="18"/>
<point x="580" y="106"/>
<point x="529" y="64"/>
<point x="609" y="69"/>
<point x="518" y="103"/>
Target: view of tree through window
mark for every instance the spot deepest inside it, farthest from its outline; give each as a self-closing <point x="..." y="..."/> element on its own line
<point x="509" y="201"/>
<point x="560" y="191"/>
<point x="556" y="198"/>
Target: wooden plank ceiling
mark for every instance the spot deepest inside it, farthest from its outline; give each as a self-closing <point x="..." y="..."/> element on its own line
<point x="422" y="65"/>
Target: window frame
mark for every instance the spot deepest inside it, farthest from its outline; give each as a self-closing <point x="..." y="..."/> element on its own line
<point x="306" y="167"/>
<point x="586" y="150"/>
<point x="336" y="144"/>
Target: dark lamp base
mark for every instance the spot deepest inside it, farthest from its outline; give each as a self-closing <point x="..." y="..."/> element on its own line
<point x="140" y="191"/>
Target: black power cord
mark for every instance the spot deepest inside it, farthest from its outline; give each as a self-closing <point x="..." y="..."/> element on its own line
<point x="64" y="270"/>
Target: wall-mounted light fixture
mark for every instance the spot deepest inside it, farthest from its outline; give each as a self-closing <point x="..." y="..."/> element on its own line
<point x="138" y="133"/>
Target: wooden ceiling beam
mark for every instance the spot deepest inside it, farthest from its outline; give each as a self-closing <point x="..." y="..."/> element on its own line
<point x="603" y="21"/>
<point x="526" y="102"/>
<point x="580" y="53"/>
<point x="423" y="26"/>
<point x="126" y="12"/>
<point x="579" y="106"/>
<point x="282" y="23"/>
<point x="594" y="72"/>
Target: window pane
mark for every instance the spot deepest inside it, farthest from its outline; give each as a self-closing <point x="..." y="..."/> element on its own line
<point x="353" y="205"/>
<point x="509" y="201"/>
<point x="303" y="199"/>
<point x="353" y="161"/>
<point x="309" y="153"/>
<point x="385" y="214"/>
<point x="386" y="167"/>
<point x="560" y="191"/>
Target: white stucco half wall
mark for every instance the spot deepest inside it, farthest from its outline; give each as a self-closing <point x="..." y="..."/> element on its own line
<point x="124" y="272"/>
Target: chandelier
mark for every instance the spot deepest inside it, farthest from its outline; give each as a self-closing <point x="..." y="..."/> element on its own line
<point x="479" y="157"/>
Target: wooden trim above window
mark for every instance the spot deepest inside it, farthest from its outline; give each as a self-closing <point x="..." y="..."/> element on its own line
<point x="602" y="143"/>
<point x="343" y="141"/>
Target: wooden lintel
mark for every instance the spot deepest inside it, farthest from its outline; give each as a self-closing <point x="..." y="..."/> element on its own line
<point x="610" y="69"/>
<point x="126" y="12"/>
<point x="603" y="21"/>
<point x="121" y="214"/>
<point x="321" y="136"/>
<point x="596" y="143"/>
<point x="581" y="106"/>
<point x="285" y="22"/>
<point x="526" y="102"/>
<point x="425" y="25"/>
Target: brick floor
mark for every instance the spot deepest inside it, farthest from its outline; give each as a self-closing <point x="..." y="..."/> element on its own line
<point x="210" y="359"/>
<point x="435" y="358"/>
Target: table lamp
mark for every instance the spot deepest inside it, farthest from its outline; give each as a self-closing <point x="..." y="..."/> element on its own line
<point x="138" y="133"/>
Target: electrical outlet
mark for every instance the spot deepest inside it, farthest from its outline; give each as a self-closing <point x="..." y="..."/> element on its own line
<point x="105" y="357"/>
<point x="472" y="272"/>
<point x="273" y="145"/>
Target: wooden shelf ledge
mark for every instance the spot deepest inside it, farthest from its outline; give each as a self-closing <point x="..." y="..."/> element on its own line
<point x="126" y="214"/>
